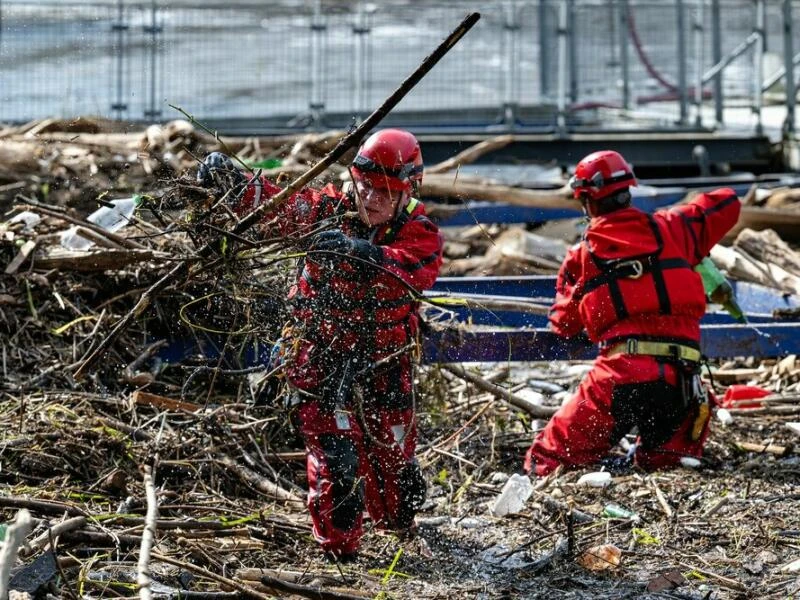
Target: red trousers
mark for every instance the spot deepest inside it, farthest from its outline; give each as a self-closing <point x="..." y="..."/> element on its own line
<point x="620" y="392"/>
<point x="360" y="453"/>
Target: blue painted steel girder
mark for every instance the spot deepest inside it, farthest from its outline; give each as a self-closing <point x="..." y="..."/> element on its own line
<point x="513" y="345"/>
<point x="753" y="298"/>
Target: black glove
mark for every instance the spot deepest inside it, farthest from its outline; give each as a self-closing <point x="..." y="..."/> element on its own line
<point x="336" y="241"/>
<point x="218" y="170"/>
<point x="332" y="241"/>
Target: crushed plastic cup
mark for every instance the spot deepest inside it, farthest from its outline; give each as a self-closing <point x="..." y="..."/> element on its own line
<point x="724" y="416"/>
<point x="112" y="219"/>
<point x="598" y="479"/>
<point x="512" y="497"/>
<point x="601" y="558"/>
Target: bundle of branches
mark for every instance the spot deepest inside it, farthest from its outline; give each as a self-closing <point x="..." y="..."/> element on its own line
<point x="57" y="303"/>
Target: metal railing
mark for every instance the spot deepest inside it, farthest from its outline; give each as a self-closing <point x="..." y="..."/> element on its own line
<point x="529" y="64"/>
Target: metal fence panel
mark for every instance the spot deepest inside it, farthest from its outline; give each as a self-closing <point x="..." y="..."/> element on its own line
<point x="300" y="65"/>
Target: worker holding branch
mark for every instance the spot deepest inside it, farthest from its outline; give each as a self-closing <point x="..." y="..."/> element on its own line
<point x="349" y="352"/>
<point x="632" y="287"/>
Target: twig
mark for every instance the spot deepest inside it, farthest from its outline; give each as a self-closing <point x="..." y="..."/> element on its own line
<point x="532" y="409"/>
<point x="15" y="536"/>
<point x="148" y="535"/>
<point x="724" y="581"/>
<point x="471" y="154"/>
<point x="714" y="509"/>
<point x="661" y="499"/>
<point x="44" y="506"/>
<point x="42" y="540"/>
<point x="308" y="591"/>
<point x="247" y="591"/>
<point x="254" y="479"/>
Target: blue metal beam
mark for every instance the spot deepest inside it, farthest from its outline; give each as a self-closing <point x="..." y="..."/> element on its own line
<point x="524" y="286"/>
<point x="753" y="298"/>
<point x="512" y="345"/>
<point x="473" y="211"/>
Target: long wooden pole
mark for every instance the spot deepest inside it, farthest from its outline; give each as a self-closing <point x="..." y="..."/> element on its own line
<point x="347" y="142"/>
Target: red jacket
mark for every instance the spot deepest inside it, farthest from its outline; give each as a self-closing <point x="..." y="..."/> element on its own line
<point x="632" y="274"/>
<point x="352" y="302"/>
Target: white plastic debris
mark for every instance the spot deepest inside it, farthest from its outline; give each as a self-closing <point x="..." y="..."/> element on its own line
<point x="724" y="416"/>
<point x="794" y="426"/>
<point x="598" y="479"/>
<point x="690" y="462"/>
<point x="498" y="477"/>
<point x="31" y="220"/>
<point x="512" y="498"/>
<point x="110" y="219"/>
<point x="579" y="369"/>
<point x="531" y="396"/>
<point x="792" y="567"/>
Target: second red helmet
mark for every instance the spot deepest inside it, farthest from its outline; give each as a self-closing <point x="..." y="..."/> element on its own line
<point x="390" y="159"/>
<point x="601" y="174"/>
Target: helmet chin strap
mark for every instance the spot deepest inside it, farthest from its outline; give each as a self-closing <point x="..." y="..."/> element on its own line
<point x="401" y="204"/>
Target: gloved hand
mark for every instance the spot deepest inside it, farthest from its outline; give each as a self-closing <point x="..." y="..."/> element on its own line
<point x="336" y="241"/>
<point x="332" y="241"/>
<point x="218" y="170"/>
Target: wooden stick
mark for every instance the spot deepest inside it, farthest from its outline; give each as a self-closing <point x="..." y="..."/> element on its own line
<point x="148" y="535"/>
<point x="45" y="506"/>
<point x="15" y="537"/>
<point x="232" y="583"/>
<point x="500" y="392"/>
<point x="661" y="499"/>
<point x="257" y="481"/>
<point x="723" y="581"/>
<point x="448" y="186"/>
<point x="309" y="591"/>
<point x="347" y="142"/>
<point x="471" y="154"/>
<point x="43" y="539"/>
<point x="761" y="448"/>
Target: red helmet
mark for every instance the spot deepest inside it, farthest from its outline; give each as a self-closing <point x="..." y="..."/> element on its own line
<point x="601" y="174"/>
<point x="389" y="159"/>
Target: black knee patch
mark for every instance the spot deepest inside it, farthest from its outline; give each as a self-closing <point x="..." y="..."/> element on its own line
<point x="655" y="407"/>
<point x="412" y="488"/>
<point x="341" y="456"/>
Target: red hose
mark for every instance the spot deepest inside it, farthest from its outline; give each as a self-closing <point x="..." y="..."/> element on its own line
<point x="637" y="43"/>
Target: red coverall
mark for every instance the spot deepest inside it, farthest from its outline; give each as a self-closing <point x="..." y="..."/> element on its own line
<point x="632" y="278"/>
<point x="347" y="316"/>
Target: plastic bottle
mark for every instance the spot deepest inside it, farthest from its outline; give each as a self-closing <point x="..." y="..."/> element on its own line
<point x="111" y="219"/>
<point x="615" y="511"/>
<point x="512" y="497"/>
<point x="718" y="289"/>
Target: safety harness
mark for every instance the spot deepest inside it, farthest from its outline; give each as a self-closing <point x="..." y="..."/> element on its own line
<point x="613" y="270"/>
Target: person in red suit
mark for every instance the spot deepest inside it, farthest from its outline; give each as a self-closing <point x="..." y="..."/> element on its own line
<point x="630" y="285"/>
<point x="348" y="358"/>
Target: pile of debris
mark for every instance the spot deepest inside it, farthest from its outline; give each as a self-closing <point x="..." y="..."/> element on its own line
<point x="164" y="469"/>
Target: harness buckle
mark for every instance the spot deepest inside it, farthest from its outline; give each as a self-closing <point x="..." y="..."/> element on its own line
<point x="636" y="265"/>
<point x="632" y="346"/>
